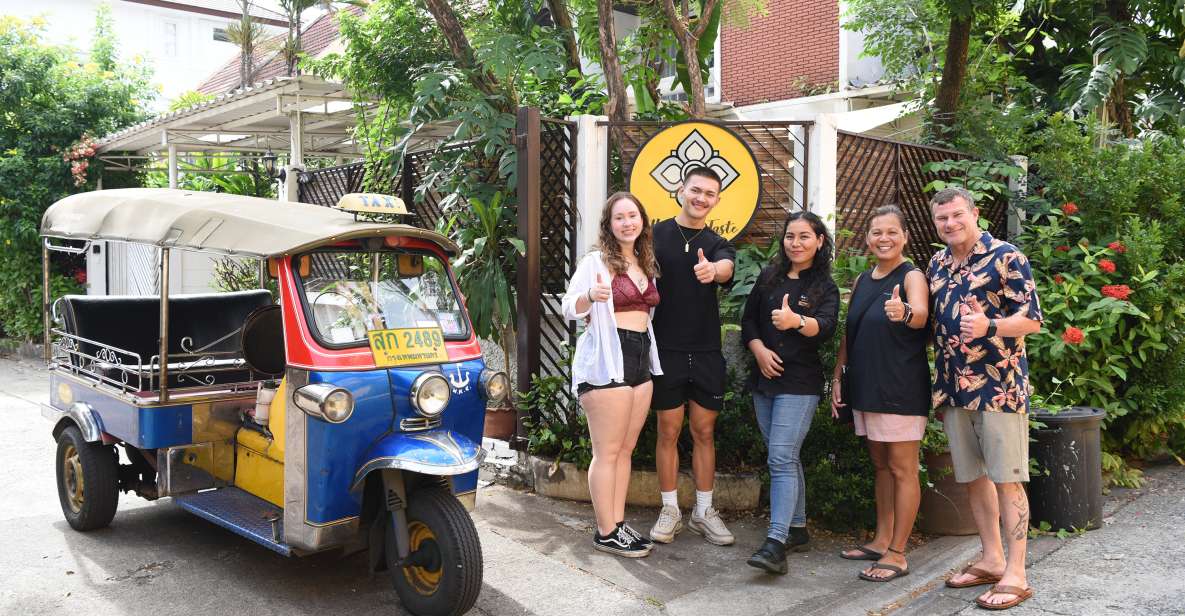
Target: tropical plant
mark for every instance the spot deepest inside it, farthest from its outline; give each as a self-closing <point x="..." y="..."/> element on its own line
<point x="52" y="105"/>
<point x="488" y="234"/>
<point x="247" y="35"/>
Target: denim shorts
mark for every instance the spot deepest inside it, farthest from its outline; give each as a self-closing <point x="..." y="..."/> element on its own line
<point x="635" y="361"/>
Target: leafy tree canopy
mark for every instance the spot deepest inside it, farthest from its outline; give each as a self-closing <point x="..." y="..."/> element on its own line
<point x="52" y="103"/>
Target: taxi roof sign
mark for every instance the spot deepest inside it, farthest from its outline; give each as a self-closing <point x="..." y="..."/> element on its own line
<point x="372" y="203"/>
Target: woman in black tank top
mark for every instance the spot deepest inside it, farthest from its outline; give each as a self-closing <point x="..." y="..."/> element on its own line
<point x="888" y="386"/>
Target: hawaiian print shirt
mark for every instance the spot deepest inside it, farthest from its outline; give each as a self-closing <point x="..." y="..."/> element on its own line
<point x="989" y="374"/>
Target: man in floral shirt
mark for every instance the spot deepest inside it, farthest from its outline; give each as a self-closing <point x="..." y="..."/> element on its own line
<point x="984" y="302"/>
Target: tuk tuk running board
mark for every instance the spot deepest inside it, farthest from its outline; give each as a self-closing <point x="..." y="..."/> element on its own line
<point x="242" y="513"/>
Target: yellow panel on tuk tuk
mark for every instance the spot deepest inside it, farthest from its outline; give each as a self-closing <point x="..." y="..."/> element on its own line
<point x="215" y="425"/>
<point x="257" y="474"/>
<point x="276" y="419"/>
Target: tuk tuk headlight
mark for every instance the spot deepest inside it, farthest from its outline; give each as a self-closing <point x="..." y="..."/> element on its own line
<point x="495" y="384"/>
<point x="324" y="401"/>
<point x="430" y="393"/>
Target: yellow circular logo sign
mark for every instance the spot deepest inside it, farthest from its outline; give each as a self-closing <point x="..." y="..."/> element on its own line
<point x="663" y="163"/>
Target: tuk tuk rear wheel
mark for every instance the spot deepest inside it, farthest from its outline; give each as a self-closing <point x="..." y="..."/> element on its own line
<point x="443" y="577"/>
<point x="88" y="481"/>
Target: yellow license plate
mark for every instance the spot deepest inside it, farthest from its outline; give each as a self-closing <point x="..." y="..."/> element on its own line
<point x="407" y="346"/>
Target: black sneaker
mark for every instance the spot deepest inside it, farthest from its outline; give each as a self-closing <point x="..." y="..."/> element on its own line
<point x="621" y="543"/>
<point x="799" y="540"/>
<point x="644" y="541"/>
<point x="770" y="557"/>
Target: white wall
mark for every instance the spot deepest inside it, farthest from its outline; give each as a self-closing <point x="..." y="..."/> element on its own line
<point x="179" y="46"/>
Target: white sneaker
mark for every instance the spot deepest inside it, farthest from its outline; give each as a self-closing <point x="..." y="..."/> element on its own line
<point x="711" y="527"/>
<point x="668" y="525"/>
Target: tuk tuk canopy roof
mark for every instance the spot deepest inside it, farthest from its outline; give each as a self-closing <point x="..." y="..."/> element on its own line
<point x="213" y="222"/>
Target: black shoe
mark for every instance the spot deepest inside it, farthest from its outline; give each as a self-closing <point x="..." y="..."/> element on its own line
<point x="799" y="540"/>
<point x="644" y="541"/>
<point x="621" y="543"/>
<point x="771" y="557"/>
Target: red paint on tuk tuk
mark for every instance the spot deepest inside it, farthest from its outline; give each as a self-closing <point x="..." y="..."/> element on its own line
<point x="303" y="350"/>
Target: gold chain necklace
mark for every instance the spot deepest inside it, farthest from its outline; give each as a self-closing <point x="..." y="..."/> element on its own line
<point x="686" y="241"/>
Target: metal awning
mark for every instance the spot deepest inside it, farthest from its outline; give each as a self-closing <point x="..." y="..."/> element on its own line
<point x="213" y="222"/>
<point x="254" y="119"/>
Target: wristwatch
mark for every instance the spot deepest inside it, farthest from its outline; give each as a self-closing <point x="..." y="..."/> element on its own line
<point x="991" y="331"/>
<point x="801" y="322"/>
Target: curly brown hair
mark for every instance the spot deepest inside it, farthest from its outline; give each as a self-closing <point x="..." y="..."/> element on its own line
<point x="611" y="249"/>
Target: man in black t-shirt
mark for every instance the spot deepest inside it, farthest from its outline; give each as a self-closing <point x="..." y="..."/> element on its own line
<point x="693" y="261"/>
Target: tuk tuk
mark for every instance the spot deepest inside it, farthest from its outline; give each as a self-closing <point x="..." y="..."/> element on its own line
<point x="344" y="412"/>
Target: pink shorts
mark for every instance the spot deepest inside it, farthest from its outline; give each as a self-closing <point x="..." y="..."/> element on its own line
<point x="889" y="428"/>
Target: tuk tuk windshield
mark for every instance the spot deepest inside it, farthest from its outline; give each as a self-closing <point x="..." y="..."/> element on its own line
<point x="351" y="292"/>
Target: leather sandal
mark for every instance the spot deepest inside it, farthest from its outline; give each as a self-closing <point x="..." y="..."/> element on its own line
<point x="981" y="577"/>
<point x="1022" y="594"/>
<point x="865" y="554"/>
<point x="897" y="572"/>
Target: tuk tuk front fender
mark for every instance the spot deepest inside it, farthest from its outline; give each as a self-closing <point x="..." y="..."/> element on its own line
<point x="436" y="452"/>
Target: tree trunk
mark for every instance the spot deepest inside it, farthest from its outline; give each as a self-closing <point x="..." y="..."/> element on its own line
<point x="695" y="98"/>
<point x="1117" y="107"/>
<point x="688" y="39"/>
<point x="954" y="69"/>
<point x="563" y="22"/>
<point x="450" y="26"/>
<point x="616" y="107"/>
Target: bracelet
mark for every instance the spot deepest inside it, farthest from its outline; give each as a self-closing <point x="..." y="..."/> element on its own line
<point x="589" y="295"/>
<point x="907" y="316"/>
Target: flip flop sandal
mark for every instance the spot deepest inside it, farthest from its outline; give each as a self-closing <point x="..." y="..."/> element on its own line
<point x="865" y="554"/>
<point x="981" y="577"/>
<point x="897" y="572"/>
<point x="1022" y="594"/>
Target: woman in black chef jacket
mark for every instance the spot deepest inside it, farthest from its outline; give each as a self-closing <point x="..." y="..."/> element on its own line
<point x="790" y="313"/>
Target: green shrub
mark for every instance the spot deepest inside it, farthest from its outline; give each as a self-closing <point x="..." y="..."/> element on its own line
<point x="1106" y="242"/>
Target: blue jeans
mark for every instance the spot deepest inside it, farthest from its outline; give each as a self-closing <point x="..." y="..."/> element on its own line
<point x="784" y="421"/>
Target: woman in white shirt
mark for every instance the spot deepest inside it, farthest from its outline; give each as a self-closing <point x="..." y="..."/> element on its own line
<point x="614" y="288"/>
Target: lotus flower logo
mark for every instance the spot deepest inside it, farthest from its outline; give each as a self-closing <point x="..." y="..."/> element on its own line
<point x="694" y="151"/>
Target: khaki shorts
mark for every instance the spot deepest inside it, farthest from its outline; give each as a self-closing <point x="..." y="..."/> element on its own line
<point x="983" y="443"/>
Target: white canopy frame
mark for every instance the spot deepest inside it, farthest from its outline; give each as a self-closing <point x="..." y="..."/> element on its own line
<point x="294" y="117"/>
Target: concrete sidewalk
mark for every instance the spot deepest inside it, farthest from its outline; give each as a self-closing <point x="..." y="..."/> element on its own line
<point x="156" y="559"/>
<point x="1130" y="567"/>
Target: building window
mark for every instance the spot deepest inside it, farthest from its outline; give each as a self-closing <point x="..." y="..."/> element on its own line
<point x="220" y="35"/>
<point x="170" y="46"/>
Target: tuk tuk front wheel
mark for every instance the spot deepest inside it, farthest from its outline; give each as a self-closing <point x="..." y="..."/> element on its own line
<point x="88" y="481"/>
<point x="444" y="570"/>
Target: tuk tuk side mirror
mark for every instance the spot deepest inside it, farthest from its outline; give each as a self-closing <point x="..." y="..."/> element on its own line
<point x="410" y="266"/>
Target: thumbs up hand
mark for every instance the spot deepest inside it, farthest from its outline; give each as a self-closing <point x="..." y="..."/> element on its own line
<point x="600" y="291"/>
<point x="705" y="270"/>
<point x="894" y="307"/>
<point x="973" y="323"/>
<point x="785" y="318"/>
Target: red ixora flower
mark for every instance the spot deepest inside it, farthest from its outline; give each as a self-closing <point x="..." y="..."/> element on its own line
<point x="1117" y="247"/>
<point x="80" y="276"/>
<point x="1107" y="265"/>
<point x="1058" y="278"/>
<point x="1118" y="291"/>
<point x="1069" y="208"/>
<point x="1073" y="335"/>
<point x="1062" y="248"/>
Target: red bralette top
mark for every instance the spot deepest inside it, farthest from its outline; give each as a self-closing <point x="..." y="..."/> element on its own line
<point x="626" y="296"/>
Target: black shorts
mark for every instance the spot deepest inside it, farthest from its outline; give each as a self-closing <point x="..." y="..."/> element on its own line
<point x="635" y="361"/>
<point x="698" y="377"/>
